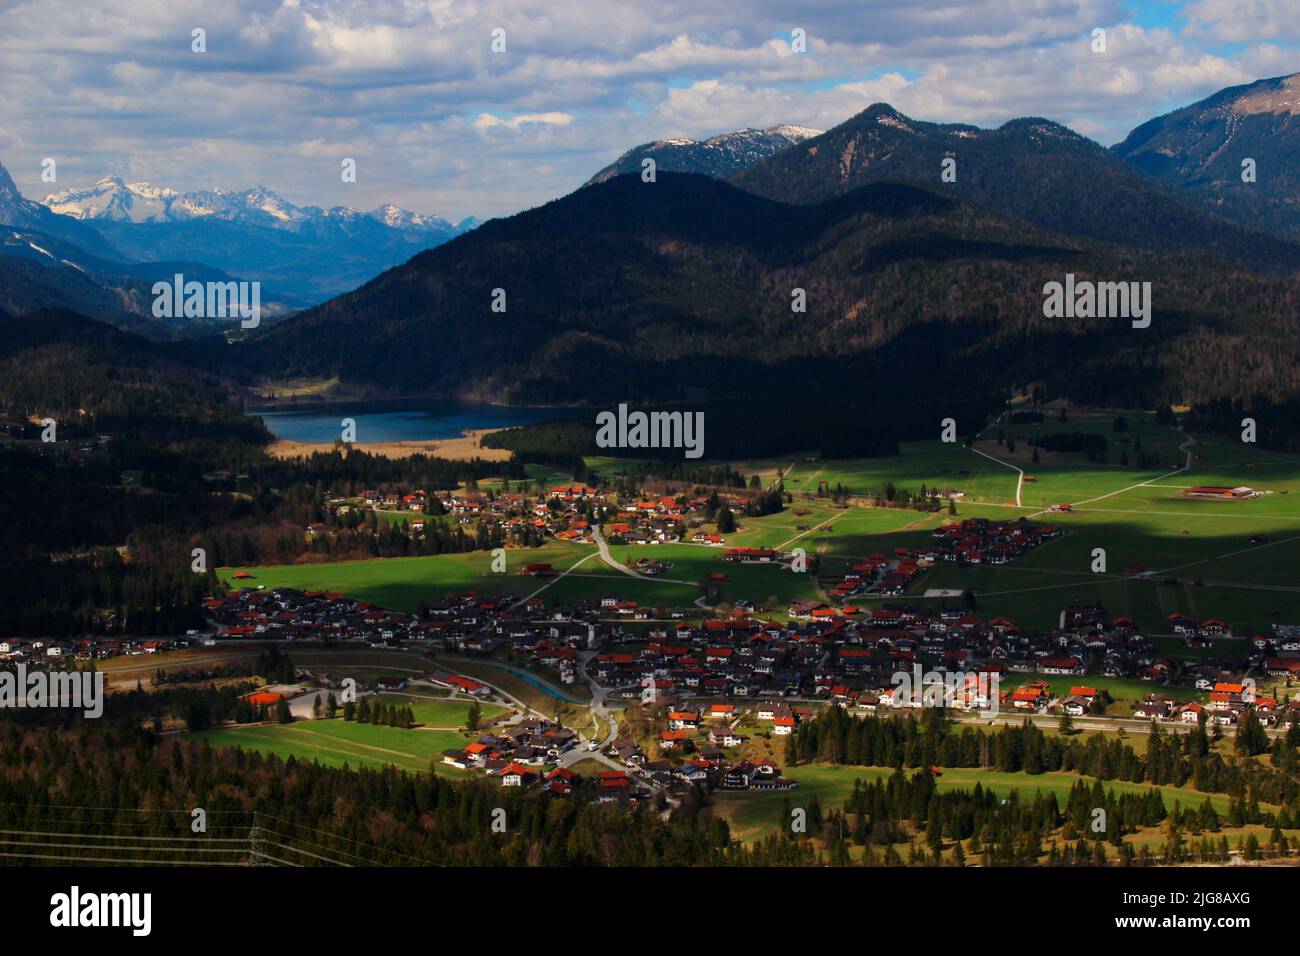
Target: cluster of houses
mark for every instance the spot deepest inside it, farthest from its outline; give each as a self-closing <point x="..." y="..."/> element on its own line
<point x="1227" y="705"/>
<point x="562" y="512"/>
<point x="827" y="652"/>
<point x="29" y="650"/>
<point x="516" y="755"/>
<point x="293" y="614"/>
<point x="822" y="652"/>
<point x="972" y="542"/>
<point x="699" y="739"/>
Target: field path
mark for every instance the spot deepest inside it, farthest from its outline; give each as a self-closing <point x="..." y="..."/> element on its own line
<point x="781" y="546"/>
<point x="617" y="565"/>
<point x="559" y="577"/>
<point x="1020" y="474"/>
<point x="335" y="741"/>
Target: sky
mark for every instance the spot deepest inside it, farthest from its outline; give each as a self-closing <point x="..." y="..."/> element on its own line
<point x="440" y="123"/>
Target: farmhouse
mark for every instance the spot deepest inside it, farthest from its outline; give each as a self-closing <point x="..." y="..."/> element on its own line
<point x="455" y="681"/>
<point x="1221" y="493"/>
<point x="748" y="555"/>
<point x="1074" y="706"/>
<point x="1154" y="708"/>
<point x="1031" y="697"/>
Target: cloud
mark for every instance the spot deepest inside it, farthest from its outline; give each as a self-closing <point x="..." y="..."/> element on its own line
<point x="439" y="123"/>
<point x="486" y="121"/>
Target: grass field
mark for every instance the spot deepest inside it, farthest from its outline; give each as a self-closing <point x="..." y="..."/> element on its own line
<point x="337" y="742"/>
<point x="441" y="713"/>
<point x="1136" y="516"/>
<point x="755" y="815"/>
<point x="400" y="584"/>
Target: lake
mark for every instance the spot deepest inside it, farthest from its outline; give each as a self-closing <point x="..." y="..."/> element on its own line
<point x="394" y="421"/>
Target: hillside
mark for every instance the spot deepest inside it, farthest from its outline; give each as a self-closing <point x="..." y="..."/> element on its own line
<point x="681" y="289"/>
<point x="1199" y="150"/>
<point x="1033" y="169"/>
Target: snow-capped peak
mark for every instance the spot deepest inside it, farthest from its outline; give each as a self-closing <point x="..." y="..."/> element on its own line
<point x="395" y="217"/>
<point x="796" y="133"/>
<point x="113" y="198"/>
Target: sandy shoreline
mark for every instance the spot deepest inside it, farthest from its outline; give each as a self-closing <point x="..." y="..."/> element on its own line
<point x="458" y="449"/>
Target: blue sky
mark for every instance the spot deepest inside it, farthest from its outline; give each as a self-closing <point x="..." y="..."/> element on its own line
<point x="439" y="123"/>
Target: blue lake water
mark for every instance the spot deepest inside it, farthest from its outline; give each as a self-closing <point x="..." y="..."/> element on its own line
<point x="391" y="421"/>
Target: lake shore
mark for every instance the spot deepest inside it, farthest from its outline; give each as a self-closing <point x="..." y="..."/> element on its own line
<point x="464" y="448"/>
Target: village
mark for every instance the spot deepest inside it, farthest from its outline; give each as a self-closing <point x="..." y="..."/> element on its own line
<point x="711" y="697"/>
<point x="560" y="512"/>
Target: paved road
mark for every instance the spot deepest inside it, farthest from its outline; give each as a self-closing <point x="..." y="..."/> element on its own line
<point x="617" y="565"/>
<point x="598" y="695"/>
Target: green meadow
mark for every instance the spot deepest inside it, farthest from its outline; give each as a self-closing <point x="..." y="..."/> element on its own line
<point x="1165" y="553"/>
<point x="441" y="713"/>
<point x="400" y="584"/>
<point x="337" y="742"/>
<point x="753" y="815"/>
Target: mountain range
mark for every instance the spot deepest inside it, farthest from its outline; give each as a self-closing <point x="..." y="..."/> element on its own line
<point x="684" y="285"/>
<point x="1032" y="168"/>
<point x="301" y="254"/>
<point x="113" y="199"/>
<point x="681" y="289"/>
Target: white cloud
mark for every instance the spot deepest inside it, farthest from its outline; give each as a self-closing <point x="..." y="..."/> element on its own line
<point x="486" y="121"/>
<point x="441" y="124"/>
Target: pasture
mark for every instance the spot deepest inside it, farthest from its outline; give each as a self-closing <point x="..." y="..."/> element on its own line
<point x="754" y="815"/>
<point x="337" y="742"/>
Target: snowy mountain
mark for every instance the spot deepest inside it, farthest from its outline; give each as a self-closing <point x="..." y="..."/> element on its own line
<point x="114" y="199"/>
<point x="721" y="156"/>
<point x="306" y="253"/>
<point x="22" y="213"/>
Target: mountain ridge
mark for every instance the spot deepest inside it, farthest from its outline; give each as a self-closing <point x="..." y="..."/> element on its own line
<point x="1032" y="168"/>
<point x="303" y="254"/>
<point x="1199" y="149"/>
<point x="681" y="290"/>
<point x="719" y="156"/>
<point x="114" y="198"/>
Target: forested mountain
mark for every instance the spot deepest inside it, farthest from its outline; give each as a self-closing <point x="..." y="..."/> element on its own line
<point x="1033" y="169"/>
<point x="94" y="378"/>
<point x="683" y="289"/>
<point x="40" y="272"/>
<point x="1200" y="149"/>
